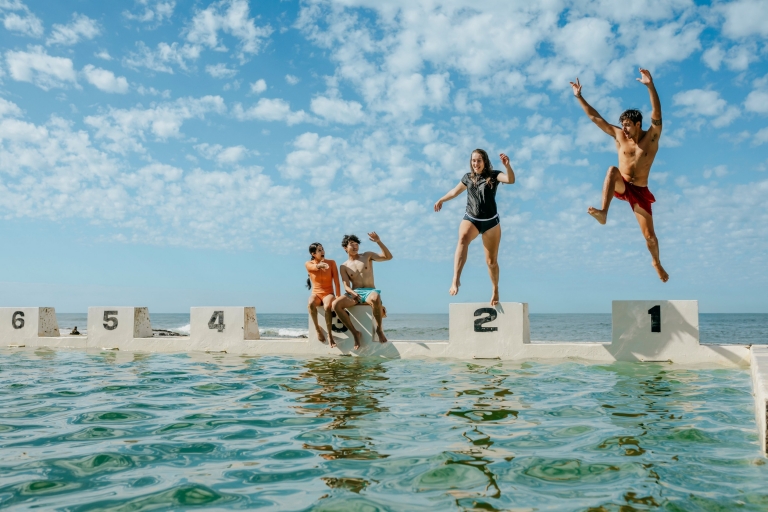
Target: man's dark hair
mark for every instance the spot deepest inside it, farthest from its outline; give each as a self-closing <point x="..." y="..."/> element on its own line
<point x="634" y="115"/>
<point x="349" y="238"/>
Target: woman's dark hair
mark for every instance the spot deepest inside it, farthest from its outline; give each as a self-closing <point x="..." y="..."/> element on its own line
<point x="634" y="116"/>
<point x="487" y="168"/>
<point x="312" y="250"/>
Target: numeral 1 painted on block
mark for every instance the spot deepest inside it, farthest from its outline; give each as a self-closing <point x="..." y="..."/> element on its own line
<point x="491" y="312"/>
<point x="655" y="313"/>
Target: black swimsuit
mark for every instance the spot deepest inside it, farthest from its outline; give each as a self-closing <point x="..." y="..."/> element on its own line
<point x="481" y="201"/>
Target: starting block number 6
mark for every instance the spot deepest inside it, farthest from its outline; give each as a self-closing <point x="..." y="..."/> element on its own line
<point x="17" y="320"/>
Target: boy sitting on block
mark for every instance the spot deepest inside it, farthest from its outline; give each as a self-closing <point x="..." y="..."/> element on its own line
<point x="357" y="276"/>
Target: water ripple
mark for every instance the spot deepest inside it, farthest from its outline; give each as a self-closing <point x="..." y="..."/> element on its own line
<point x="117" y="431"/>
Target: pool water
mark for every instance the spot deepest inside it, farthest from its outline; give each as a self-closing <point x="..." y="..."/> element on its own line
<point x="118" y="431"/>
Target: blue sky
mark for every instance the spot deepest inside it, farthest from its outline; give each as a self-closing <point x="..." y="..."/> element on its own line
<point x="172" y="154"/>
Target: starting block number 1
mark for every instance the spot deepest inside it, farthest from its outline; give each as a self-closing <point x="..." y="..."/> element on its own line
<point x="216" y="321"/>
<point x="655" y="313"/>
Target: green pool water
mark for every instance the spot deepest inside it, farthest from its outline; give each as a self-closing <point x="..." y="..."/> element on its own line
<point x="111" y="431"/>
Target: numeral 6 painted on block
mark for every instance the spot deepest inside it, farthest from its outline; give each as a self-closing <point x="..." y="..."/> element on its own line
<point x="655" y="313"/>
<point x="18" y="320"/>
<point x="484" y="320"/>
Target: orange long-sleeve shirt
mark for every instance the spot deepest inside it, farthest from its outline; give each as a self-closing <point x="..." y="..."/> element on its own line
<point x="323" y="280"/>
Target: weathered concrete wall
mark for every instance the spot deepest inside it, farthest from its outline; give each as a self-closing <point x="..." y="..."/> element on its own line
<point x="110" y="327"/>
<point x="760" y="390"/>
<point x="23" y="326"/>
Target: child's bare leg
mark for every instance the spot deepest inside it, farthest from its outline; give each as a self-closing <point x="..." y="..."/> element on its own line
<point x="374" y="299"/>
<point x="340" y="305"/>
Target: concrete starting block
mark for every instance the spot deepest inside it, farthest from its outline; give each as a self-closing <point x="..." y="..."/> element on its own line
<point x="483" y="332"/>
<point x="21" y="327"/>
<point x="111" y="327"/>
<point x="219" y="329"/>
<point x="362" y="319"/>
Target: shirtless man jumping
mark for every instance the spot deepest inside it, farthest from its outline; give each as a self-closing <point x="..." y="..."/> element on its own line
<point x="637" y="148"/>
<point x="357" y="276"/>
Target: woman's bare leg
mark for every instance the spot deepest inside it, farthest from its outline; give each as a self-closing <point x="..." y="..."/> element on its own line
<point x="467" y="233"/>
<point x="328" y="310"/>
<point x="491" y="241"/>
<point x="312" y="307"/>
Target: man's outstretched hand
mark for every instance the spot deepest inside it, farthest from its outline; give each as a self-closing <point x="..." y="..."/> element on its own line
<point x="374" y="237"/>
<point x="576" y="88"/>
<point x="645" y="77"/>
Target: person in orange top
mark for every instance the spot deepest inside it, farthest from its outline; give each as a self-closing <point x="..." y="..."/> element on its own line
<point x="323" y="278"/>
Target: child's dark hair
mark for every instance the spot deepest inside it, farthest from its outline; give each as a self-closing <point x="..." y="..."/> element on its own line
<point x="349" y="238"/>
<point x="312" y="250"/>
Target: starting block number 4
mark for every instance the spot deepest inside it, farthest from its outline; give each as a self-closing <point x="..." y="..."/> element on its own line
<point x="217" y="321"/>
<point x="217" y="325"/>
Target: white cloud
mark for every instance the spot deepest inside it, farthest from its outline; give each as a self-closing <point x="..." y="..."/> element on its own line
<point x="127" y="128"/>
<point x="320" y="158"/>
<point x="272" y="110"/>
<point x="259" y="86"/>
<point x="105" y="80"/>
<point x="29" y="25"/>
<point x="736" y="58"/>
<point x="9" y="109"/>
<point x="761" y="137"/>
<point x="743" y="18"/>
<point x="151" y="91"/>
<point x="153" y="14"/>
<point x="81" y="27"/>
<point x="220" y="71"/>
<point x="230" y="17"/>
<point x="705" y="103"/>
<point x="103" y="55"/>
<point x="292" y="80"/>
<point x="717" y="171"/>
<point x="757" y="101"/>
<point x="39" y="68"/>
<point x="222" y="155"/>
<point x="337" y="110"/>
<point x="163" y="57"/>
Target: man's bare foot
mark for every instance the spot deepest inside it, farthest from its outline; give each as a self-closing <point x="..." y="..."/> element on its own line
<point x="662" y="273"/>
<point x="357" y="336"/>
<point x="382" y="338"/>
<point x="320" y="335"/>
<point x="600" y="215"/>
<point x="495" y="298"/>
<point x="333" y="342"/>
<point x="454" y="288"/>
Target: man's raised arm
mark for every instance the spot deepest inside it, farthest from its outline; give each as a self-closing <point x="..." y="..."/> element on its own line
<point x="592" y="114"/>
<point x="645" y="79"/>
<point x="385" y="254"/>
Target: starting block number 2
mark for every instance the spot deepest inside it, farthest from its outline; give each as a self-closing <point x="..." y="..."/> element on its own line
<point x="491" y="312"/>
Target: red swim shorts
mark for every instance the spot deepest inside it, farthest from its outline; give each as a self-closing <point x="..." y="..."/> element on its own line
<point x="636" y="195"/>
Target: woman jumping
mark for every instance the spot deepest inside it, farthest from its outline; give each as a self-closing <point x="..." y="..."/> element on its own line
<point x="323" y="276"/>
<point x="481" y="217"/>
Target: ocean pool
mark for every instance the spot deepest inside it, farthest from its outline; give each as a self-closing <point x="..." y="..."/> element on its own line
<point x="119" y="431"/>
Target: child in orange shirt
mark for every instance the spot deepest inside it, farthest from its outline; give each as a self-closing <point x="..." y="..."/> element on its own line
<point x="323" y="277"/>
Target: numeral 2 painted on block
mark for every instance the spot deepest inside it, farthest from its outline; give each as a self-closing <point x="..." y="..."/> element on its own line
<point x="485" y="319"/>
<point x="216" y="321"/>
<point x="18" y="320"/>
<point x="655" y="313"/>
<point x="110" y="320"/>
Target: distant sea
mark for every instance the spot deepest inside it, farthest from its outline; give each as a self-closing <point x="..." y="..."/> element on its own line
<point x="719" y="328"/>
